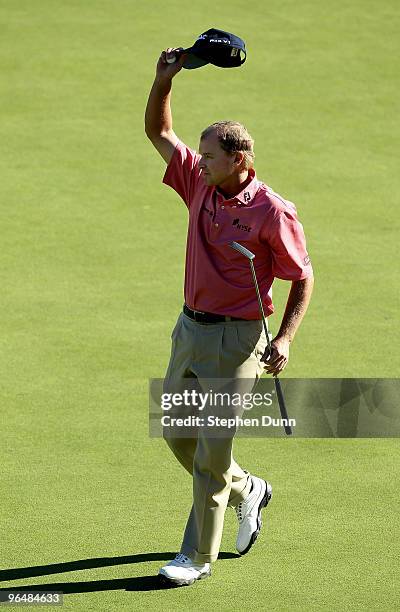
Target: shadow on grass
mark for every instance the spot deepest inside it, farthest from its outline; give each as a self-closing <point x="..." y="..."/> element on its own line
<point x="140" y="583"/>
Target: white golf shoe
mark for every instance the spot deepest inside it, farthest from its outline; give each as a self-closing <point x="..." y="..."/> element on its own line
<point x="182" y="571"/>
<point x="249" y="514"/>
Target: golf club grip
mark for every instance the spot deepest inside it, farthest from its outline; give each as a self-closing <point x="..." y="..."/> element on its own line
<point x="282" y="406"/>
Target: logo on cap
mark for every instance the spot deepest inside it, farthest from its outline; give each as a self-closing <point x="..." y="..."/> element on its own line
<point x="219" y="40"/>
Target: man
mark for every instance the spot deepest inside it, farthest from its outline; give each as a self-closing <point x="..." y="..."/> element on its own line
<point x="219" y="335"/>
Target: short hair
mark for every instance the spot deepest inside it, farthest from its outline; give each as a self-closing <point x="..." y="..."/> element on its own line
<point x="233" y="137"/>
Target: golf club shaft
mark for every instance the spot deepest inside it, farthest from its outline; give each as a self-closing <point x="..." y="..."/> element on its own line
<point x="260" y="305"/>
<point x="278" y="388"/>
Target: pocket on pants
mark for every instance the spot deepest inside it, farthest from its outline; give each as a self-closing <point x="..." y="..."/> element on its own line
<point x="261" y="346"/>
<point x="248" y="337"/>
<point x="175" y="331"/>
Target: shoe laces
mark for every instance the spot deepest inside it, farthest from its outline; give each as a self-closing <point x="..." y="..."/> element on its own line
<point x="182" y="558"/>
<point x="239" y="512"/>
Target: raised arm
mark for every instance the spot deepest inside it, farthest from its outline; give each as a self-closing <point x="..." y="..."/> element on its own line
<point x="158" y="117"/>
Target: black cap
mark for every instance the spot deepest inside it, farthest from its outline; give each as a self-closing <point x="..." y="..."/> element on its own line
<point x="216" y="47"/>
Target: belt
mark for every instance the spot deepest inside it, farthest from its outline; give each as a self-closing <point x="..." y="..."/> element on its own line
<point x="207" y="317"/>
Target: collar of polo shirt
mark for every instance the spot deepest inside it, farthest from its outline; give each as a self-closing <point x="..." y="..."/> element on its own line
<point x="247" y="194"/>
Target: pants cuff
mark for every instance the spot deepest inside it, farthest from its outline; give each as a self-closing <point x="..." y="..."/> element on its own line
<point x="197" y="557"/>
<point x="234" y="501"/>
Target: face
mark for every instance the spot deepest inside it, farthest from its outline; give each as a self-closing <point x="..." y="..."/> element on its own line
<point x="218" y="166"/>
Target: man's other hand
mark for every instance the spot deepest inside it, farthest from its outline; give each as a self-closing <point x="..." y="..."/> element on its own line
<point x="277" y="361"/>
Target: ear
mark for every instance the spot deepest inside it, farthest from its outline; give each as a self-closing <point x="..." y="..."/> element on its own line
<point x="239" y="157"/>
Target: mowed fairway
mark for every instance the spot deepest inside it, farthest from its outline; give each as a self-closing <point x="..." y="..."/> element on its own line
<point x="91" y="259"/>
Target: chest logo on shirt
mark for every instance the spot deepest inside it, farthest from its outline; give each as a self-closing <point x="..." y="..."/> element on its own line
<point x="246" y="196"/>
<point x="245" y="228"/>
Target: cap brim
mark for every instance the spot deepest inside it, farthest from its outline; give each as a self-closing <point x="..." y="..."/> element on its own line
<point x="193" y="61"/>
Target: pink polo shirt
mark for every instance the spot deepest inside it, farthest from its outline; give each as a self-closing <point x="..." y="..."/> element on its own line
<point x="218" y="279"/>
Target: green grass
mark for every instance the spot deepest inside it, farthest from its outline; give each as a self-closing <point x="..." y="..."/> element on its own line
<point x="92" y="272"/>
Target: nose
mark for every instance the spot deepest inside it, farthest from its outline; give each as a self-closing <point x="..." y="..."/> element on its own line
<point x="202" y="164"/>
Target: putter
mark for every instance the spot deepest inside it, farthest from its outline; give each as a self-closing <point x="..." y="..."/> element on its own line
<point x="282" y="406"/>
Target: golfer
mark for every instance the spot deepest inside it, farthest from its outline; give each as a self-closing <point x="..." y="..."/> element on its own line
<point x="219" y="334"/>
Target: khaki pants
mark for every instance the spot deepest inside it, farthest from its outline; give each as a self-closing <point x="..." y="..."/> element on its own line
<point x="232" y="351"/>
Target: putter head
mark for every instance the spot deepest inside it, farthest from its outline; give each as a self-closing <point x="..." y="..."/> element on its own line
<point x="242" y="249"/>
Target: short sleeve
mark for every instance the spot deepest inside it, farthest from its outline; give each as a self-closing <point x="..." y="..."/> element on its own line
<point x="285" y="236"/>
<point x="182" y="173"/>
